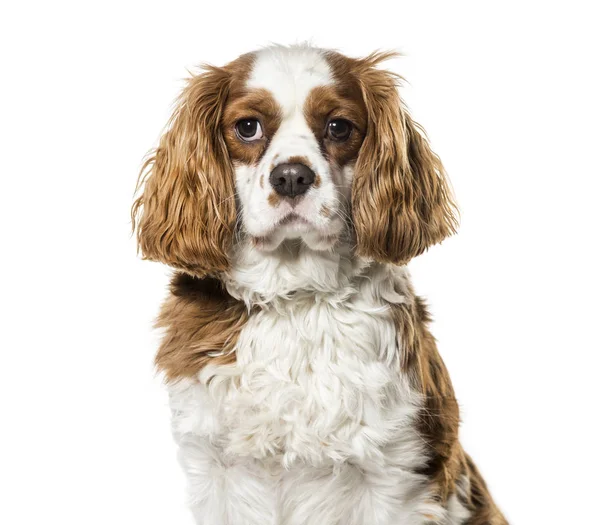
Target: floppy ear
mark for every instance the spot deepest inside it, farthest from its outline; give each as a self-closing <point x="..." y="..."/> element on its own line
<point x="401" y="201"/>
<point x="185" y="216"/>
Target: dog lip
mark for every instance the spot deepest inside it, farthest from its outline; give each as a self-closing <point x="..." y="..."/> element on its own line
<point x="291" y="218"/>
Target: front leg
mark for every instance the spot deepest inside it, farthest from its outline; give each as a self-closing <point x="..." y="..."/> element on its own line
<point x="361" y="494"/>
<point x="225" y="491"/>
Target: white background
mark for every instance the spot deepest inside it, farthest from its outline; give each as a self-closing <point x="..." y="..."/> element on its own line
<point x="509" y="95"/>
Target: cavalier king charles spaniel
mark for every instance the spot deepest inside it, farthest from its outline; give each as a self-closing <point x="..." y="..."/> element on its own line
<point x="288" y="193"/>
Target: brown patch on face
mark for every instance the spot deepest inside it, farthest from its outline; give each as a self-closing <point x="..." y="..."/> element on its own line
<point x="298" y="159"/>
<point x="401" y="201"/>
<point x="256" y="103"/>
<point x="261" y="182"/>
<point x="317" y="182"/>
<point x="325" y="103"/>
<point x="186" y="214"/>
<point x="273" y="199"/>
<point x="200" y="320"/>
<point x="325" y="211"/>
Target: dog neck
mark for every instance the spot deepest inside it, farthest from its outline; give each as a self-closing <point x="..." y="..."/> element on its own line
<point x="294" y="272"/>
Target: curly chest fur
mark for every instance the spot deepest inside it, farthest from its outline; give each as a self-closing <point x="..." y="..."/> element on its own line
<point x="314" y="383"/>
<point x="315" y="400"/>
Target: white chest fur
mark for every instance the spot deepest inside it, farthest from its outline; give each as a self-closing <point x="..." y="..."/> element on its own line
<point x="315" y="424"/>
<point x="316" y="383"/>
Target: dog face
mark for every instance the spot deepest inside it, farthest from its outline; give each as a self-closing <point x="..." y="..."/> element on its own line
<point x="291" y="143"/>
<point x="293" y="140"/>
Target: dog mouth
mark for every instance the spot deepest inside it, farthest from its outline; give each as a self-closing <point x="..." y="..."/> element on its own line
<point x="295" y="226"/>
<point x="292" y="219"/>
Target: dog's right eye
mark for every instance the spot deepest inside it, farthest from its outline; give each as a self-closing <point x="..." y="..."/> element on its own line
<point x="248" y="129"/>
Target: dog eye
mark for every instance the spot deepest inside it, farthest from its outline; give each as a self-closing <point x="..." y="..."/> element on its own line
<point x="248" y="129"/>
<point x="339" y="129"/>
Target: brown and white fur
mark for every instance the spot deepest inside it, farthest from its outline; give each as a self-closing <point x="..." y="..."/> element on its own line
<point x="305" y="386"/>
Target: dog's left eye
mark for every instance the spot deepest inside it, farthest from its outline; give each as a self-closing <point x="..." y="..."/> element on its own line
<point x="339" y="129"/>
<point x="248" y="129"/>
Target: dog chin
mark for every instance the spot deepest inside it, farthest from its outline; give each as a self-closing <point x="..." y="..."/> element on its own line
<point x="312" y="239"/>
<point x="297" y="230"/>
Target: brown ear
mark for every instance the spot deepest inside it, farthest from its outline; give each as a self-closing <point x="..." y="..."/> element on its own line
<point x="185" y="216"/>
<point x="401" y="201"/>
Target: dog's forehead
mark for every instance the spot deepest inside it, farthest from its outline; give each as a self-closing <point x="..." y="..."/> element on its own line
<point x="290" y="74"/>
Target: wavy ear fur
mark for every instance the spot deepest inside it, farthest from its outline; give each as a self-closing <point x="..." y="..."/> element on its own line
<point x="185" y="216"/>
<point x="401" y="201"/>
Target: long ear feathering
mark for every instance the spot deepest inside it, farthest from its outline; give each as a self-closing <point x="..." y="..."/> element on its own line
<point x="186" y="215"/>
<point x="401" y="200"/>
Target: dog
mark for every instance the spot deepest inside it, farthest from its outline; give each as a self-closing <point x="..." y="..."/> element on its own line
<point x="289" y="191"/>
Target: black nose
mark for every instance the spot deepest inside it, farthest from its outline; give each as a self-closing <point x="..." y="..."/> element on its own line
<point x="291" y="180"/>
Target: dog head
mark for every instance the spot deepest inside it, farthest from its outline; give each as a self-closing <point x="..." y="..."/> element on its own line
<point x="291" y="143"/>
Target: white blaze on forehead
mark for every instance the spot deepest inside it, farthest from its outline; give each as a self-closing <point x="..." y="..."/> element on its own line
<point x="290" y="74"/>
